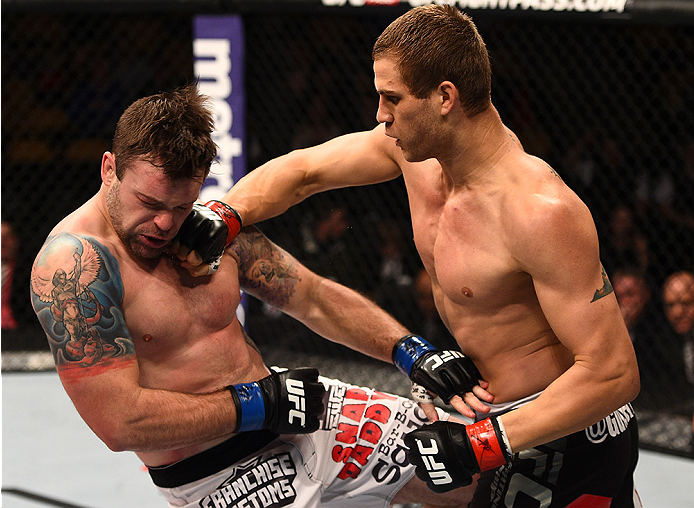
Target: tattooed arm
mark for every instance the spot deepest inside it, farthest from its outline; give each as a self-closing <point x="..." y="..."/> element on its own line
<point x="77" y="294"/>
<point x="554" y="241"/>
<point x="333" y="311"/>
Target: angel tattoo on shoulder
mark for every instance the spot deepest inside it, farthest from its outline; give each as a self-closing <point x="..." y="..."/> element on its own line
<point x="61" y="279"/>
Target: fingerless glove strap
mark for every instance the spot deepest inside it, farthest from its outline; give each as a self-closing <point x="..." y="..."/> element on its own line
<point x="408" y="350"/>
<point x="231" y="217"/>
<point x="489" y="443"/>
<point x="250" y="406"/>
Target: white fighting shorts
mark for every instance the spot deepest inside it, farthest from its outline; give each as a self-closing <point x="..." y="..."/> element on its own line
<point x="356" y="459"/>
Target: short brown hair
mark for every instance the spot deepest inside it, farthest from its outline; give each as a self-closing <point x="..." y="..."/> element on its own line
<point x="435" y="43"/>
<point x="172" y="130"/>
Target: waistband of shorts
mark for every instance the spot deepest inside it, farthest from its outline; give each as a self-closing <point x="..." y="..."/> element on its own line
<point x="505" y="407"/>
<point x="211" y="461"/>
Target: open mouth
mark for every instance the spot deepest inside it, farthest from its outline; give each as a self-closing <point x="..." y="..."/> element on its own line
<point x="397" y="139"/>
<point x="153" y="241"/>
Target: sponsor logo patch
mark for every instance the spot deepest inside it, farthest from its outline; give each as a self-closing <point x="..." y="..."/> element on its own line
<point x="610" y="426"/>
<point x="371" y="426"/>
<point x="257" y="484"/>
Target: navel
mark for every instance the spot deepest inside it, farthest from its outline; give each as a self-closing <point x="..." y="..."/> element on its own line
<point x="147" y="337"/>
<point x="467" y="291"/>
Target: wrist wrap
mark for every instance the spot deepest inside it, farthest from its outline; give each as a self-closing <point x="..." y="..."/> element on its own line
<point x="250" y="406"/>
<point x="408" y="350"/>
<point x="489" y="443"/>
<point x="230" y="216"/>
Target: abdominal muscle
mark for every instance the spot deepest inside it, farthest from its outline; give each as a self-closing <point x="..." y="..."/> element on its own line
<point x="515" y="350"/>
<point x="220" y="359"/>
<point x="513" y="376"/>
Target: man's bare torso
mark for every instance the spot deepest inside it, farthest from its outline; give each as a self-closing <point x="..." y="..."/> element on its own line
<point x="485" y="298"/>
<point x="184" y="329"/>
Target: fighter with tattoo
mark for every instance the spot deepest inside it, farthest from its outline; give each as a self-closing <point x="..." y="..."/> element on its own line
<point x="514" y="260"/>
<point x="157" y="362"/>
<point x="72" y="303"/>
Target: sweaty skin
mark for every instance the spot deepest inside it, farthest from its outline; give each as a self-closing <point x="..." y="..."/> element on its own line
<point x="512" y="252"/>
<point x="147" y="371"/>
<point x="147" y="368"/>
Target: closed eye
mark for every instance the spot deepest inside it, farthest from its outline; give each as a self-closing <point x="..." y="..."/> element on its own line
<point x="149" y="204"/>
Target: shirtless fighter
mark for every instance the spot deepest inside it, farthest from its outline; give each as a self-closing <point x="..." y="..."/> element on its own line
<point x="157" y="362"/>
<point x="514" y="259"/>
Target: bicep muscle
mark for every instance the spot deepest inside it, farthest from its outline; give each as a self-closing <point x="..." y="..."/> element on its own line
<point x="77" y="292"/>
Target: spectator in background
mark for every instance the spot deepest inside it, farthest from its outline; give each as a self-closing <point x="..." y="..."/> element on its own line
<point x="660" y="343"/>
<point x="678" y="304"/>
<point x="8" y="252"/>
<point x="329" y="247"/>
<point x="645" y="325"/>
<point x="392" y="269"/>
<point x="623" y="243"/>
<point x="634" y="298"/>
<point x="636" y="304"/>
<point x="678" y="299"/>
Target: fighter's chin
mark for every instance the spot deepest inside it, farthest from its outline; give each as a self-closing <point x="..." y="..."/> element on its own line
<point x="408" y="155"/>
<point x="411" y="157"/>
<point x="144" y="251"/>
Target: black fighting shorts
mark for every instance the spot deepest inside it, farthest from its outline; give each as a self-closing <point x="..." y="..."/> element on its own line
<point x="591" y="468"/>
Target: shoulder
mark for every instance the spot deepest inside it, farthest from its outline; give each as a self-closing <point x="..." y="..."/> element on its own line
<point x="77" y="294"/>
<point x="79" y="258"/>
<point x="537" y="196"/>
<point x="542" y="216"/>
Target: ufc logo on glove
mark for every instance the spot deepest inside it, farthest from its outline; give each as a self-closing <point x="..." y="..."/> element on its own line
<point x="436" y="470"/>
<point x="295" y="389"/>
<point x="455" y="451"/>
<point x="286" y="402"/>
<point x="435" y="361"/>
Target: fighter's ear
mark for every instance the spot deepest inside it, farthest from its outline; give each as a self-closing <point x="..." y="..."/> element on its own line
<point x="108" y="168"/>
<point x="448" y="94"/>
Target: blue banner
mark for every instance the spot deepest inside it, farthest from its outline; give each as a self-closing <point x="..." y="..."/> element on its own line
<point x="218" y="50"/>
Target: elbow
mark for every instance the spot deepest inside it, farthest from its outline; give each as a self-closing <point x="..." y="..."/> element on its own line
<point x="635" y="384"/>
<point x="117" y="446"/>
<point x="630" y="381"/>
<point x="305" y="175"/>
<point x="118" y="432"/>
<point x="311" y="309"/>
<point x="115" y="437"/>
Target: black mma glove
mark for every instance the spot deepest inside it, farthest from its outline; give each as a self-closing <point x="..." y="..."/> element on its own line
<point x="445" y="373"/>
<point x="447" y="454"/>
<point x="287" y="402"/>
<point x="209" y="229"/>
